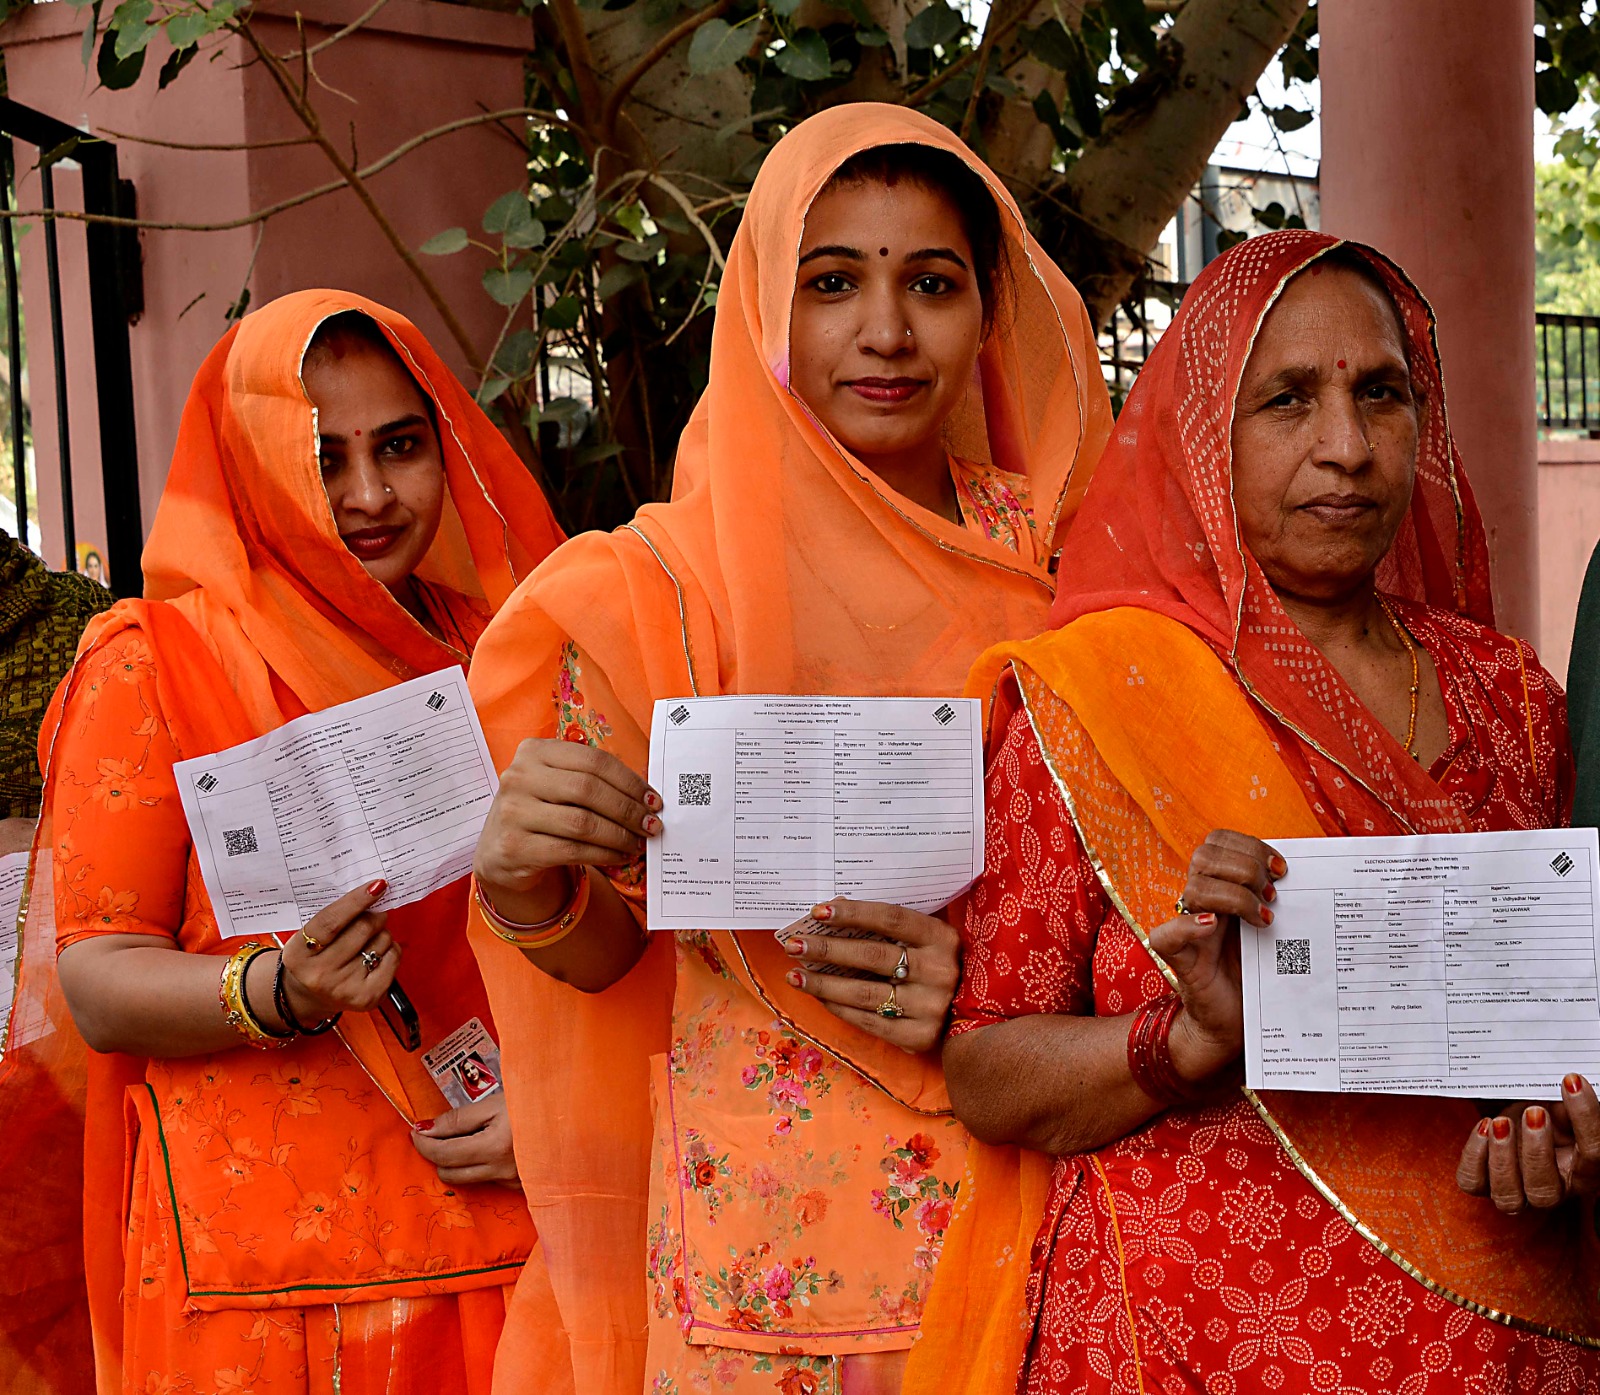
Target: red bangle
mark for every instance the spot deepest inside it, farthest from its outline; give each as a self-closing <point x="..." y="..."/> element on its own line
<point x="1150" y="1052"/>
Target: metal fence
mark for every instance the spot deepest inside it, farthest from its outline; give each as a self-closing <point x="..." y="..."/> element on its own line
<point x="116" y="294"/>
<point x="1135" y="327"/>
<point x="1567" y="371"/>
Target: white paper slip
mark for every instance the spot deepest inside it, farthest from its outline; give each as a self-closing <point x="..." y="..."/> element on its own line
<point x="394" y="785"/>
<point x="1450" y="964"/>
<point x="776" y="803"/>
<point x="13" y="877"/>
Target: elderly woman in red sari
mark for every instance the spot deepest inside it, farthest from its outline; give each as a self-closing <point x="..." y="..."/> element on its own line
<point x="1275" y="621"/>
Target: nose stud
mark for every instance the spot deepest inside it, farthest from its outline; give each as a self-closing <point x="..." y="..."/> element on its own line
<point x="388" y="489"/>
<point x="908" y="334"/>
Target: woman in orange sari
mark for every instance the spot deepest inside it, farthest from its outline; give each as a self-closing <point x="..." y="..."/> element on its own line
<point x="1275" y="622"/>
<point x="339" y="516"/>
<point x="872" y="488"/>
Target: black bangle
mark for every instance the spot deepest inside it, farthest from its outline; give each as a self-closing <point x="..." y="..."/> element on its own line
<point x="244" y="998"/>
<point x="280" y="1000"/>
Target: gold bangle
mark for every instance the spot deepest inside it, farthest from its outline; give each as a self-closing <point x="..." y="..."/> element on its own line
<point x="236" y="1011"/>
<point x="546" y="932"/>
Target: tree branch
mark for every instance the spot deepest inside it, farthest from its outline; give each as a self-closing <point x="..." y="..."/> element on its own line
<point x="921" y="94"/>
<point x="201" y="145"/>
<point x="308" y="118"/>
<point x="657" y="51"/>
<point x="332" y="39"/>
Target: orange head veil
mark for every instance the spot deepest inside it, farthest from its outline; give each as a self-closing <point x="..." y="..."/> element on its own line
<point x="245" y="547"/>
<point x="781" y="565"/>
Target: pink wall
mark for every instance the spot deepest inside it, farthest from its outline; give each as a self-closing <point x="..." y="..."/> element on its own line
<point x="1426" y="153"/>
<point x="418" y="64"/>
<point x="1569" y="528"/>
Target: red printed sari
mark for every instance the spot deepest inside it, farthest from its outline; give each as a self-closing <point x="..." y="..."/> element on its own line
<point x="1274" y="1240"/>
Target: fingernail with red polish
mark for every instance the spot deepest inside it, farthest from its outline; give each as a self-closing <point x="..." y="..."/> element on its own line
<point x="1502" y="1128"/>
<point x="652" y="824"/>
<point x="652" y="800"/>
<point x="378" y="887"/>
<point x="1278" y="867"/>
<point x="796" y="946"/>
<point x="1571" y="1084"/>
<point x="423" y="1125"/>
<point x="796" y="978"/>
<point x="1205" y="920"/>
<point x="1269" y="892"/>
<point x="822" y="913"/>
<point x="1534" y="1117"/>
<point x="1266" y="916"/>
<point x="1483" y="1128"/>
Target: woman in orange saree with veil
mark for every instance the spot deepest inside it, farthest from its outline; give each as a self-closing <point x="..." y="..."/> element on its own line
<point x="1188" y="1235"/>
<point x="772" y="1222"/>
<point x="268" y="1221"/>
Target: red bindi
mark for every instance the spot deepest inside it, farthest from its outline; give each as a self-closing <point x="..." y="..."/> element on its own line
<point x="358" y="429"/>
<point x="1341" y="364"/>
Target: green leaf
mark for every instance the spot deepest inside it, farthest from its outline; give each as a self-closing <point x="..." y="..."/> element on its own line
<point x="938" y="24"/>
<point x="805" y="57"/>
<point x="564" y="314"/>
<point x="716" y="45"/>
<point x="444" y="243"/>
<point x="618" y="278"/>
<point x="91" y="32"/>
<point x="1227" y="238"/>
<point x="188" y="27"/>
<point x="645" y="251"/>
<point x="176" y="62"/>
<point x="531" y="234"/>
<point x="507" y="212"/>
<point x="1290" y="118"/>
<point x="783" y="8"/>
<point x="116" y="73"/>
<point x="559" y="409"/>
<point x="516" y="355"/>
<point x="871" y="38"/>
<point x="130" y="23"/>
<point x="507" y="286"/>
<point x="491" y="389"/>
<point x="1554" y="92"/>
<point x="593" y="455"/>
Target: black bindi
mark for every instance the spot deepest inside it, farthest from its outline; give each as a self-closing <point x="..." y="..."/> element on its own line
<point x="883" y="251"/>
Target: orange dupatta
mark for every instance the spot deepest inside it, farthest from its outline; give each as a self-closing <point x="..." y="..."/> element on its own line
<point x="781" y="565"/>
<point x="245" y="550"/>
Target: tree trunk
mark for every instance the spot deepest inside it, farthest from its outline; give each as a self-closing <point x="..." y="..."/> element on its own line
<point x="1107" y="212"/>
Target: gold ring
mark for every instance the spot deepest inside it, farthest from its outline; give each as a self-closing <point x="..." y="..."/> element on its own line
<point x="1181" y="907"/>
<point x="890" y="1007"/>
<point x="371" y="959"/>
<point x="315" y="946"/>
<point x="902" y="970"/>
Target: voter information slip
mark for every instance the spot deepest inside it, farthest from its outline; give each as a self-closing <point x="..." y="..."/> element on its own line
<point x="1448" y="964"/>
<point x="395" y="785"/>
<point x="13" y="878"/>
<point x="773" y="804"/>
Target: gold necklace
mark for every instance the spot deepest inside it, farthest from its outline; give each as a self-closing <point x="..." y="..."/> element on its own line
<point x="1416" y="672"/>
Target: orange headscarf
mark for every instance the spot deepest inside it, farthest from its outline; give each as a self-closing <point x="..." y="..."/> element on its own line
<point x="782" y="565"/>
<point x="245" y="549"/>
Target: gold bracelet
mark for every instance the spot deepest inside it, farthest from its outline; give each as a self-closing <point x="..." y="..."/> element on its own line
<point x="236" y="1011"/>
<point x="544" y="933"/>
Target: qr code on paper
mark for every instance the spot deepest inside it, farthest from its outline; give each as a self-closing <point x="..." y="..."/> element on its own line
<point x="238" y="842"/>
<point x="694" y="789"/>
<point x="1294" y="956"/>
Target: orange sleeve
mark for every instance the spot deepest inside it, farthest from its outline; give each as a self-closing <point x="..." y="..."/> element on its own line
<point x="121" y="843"/>
<point x="582" y="698"/>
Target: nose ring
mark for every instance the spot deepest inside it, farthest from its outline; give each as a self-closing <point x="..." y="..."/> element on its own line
<point x="908" y="333"/>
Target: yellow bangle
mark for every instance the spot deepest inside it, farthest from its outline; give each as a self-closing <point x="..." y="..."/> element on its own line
<point x="546" y="932"/>
<point x="236" y="1006"/>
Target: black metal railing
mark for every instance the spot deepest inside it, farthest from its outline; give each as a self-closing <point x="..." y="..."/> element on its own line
<point x="1126" y="341"/>
<point x="115" y="295"/>
<point x="1567" y="371"/>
